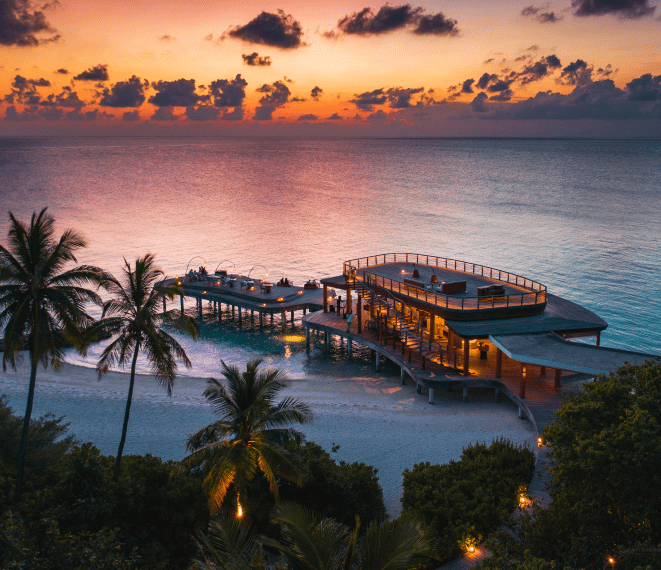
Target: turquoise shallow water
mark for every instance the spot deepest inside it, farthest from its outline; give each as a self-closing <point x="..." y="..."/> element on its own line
<point x="582" y="217"/>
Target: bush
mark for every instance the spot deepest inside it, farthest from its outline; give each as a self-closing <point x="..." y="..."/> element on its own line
<point x="605" y="475"/>
<point x="470" y="498"/>
<point x="340" y="491"/>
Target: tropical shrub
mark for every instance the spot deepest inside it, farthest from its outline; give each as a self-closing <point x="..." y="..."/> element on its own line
<point x="470" y="498"/>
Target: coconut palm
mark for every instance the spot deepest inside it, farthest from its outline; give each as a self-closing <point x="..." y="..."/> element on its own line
<point x="42" y="306"/>
<point x="249" y="436"/>
<point x="134" y="318"/>
<point x="313" y="543"/>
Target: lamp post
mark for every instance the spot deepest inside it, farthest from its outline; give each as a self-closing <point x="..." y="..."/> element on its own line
<point x="195" y="257"/>
<point x="258" y="265"/>
<point x="223" y="261"/>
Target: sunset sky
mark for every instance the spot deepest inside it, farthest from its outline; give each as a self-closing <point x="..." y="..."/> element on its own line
<point x="438" y="68"/>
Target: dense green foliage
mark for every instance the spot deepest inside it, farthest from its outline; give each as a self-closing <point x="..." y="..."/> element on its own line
<point x="469" y="498"/>
<point x="71" y="502"/>
<point x="606" y="477"/>
<point x="340" y="491"/>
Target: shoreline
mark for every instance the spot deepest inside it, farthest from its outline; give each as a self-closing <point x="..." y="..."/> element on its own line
<point x="371" y="417"/>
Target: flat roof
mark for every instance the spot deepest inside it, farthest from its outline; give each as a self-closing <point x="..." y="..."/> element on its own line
<point x="548" y="349"/>
<point x="560" y="316"/>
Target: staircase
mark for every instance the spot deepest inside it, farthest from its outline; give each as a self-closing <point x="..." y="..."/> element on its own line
<point x="404" y="322"/>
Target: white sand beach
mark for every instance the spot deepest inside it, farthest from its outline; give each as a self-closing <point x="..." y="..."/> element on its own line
<point x="372" y="418"/>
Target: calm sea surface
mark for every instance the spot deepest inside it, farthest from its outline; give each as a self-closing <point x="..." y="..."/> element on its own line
<point x="582" y="217"/>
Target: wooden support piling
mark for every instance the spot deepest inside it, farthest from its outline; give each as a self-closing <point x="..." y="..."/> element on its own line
<point x="466" y="355"/>
<point x="499" y="363"/>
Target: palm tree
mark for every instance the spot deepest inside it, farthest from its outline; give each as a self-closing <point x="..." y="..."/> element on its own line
<point x="313" y="543"/>
<point x="249" y="435"/>
<point x="42" y="306"/>
<point x="133" y="316"/>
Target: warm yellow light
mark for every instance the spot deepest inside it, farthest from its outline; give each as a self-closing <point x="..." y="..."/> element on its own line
<point x="293" y="338"/>
<point x="280" y="299"/>
<point x="300" y="293"/>
<point x="522" y="499"/>
<point x="239" y="512"/>
<point x="178" y="282"/>
<point x="267" y="274"/>
<point x="240" y="275"/>
<point x="539" y="441"/>
<point x="471" y="548"/>
<point x="611" y="560"/>
<point x="330" y="298"/>
<point x="263" y="304"/>
<point x="204" y="292"/>
<point x="403" y="271"/>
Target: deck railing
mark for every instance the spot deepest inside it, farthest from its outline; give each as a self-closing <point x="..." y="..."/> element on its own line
<point x="536" y="296"/>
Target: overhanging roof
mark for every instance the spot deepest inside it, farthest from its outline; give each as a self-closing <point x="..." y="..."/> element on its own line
<point x="549" y="349"/>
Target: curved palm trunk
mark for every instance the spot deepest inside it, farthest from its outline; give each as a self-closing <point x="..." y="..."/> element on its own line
<point x="26" y="428"/>
<point x="126" y="414"/>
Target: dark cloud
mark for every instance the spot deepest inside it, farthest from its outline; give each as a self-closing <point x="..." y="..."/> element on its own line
<point x="255" y="60"/>
<point x="539" y="69"/>
<point x="277" y="30"/>
<point x="623" y="8"/>
<point x="29" y="114"/>
<point x="367" y="100"/>
<point x="503" y="95"/>
<point x="478" y="104"/>
<point x="490" y="60"/>
<point x="129" y="93"/>
<point x="436" y="25"/>
<point x="275" y="95"/>
<point x="645" y="88"/>
<point x="335" y="117"/>
<point x="62" y="71"/>
<point x="534" y="47"/>
<point x="167" y="38"/>
<point x="499" y="86"/>
<point x="67" y="98"/>
<point x="178" y="93"/>
<point x="308" y="117"/>
<point x="484" y="81"/>
<point x="202" y="113"/>
<point x="392" y="18"/>
<point x="576" y="73"/>
<point x="316" y="93"/>
<point x="96" y="73"/>
<point x="235" y="115"/>
<point x="539" y="14"/>
<point x="228" y="92"/>
<point x="21" y="21"/>
<point x="131" y="116"/>
<point x="164" y="114"/>
<point x="467" y="86"/>
<point x="399" y="98"/>
<point x="600" y="100"/>
<point x="379" y="115"/>
<point x="298" y="100"/>
<point x="94" y="115"/>
<point x="25" y="90"/>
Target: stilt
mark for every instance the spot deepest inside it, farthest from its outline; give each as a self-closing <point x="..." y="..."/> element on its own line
<point x="431" y="395"/>
<point x="418" y="388"/>
<point x="499" y="363"/>
<point x="542" y="370"/>
<point x="307" y="336"/>
<point x="240" y="316"/>
<point x="284" y="321"/>
<point x="598" y="338"/>
<point x="402" y="376"/>
<point x="432" y="328"/>
<point x="496" y="395"/>
<point x="466" y="355"/>
<point x="165" y="305"/>
<point x="325" y="298"/>
<point x="292" y="317"/>
<point x="261" y="320"/>
<point x="327" y="340"/>
<point x="349" y="300"/>
<point x="304" y="311"/>
<point x="349" y="347"/>
<point x="359" y="313"/>
<point x="378" y="362"/>
<point x="233" y="307"/>
<point x="558" y="375"/>
<point x="182" y="304"/>
<point x="521" y="415"/>
<point x="465" y="394"/>
<point x="272" y="319"/>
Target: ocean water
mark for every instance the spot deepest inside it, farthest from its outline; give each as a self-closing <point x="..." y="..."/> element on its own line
<point x="581" y="216"/>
